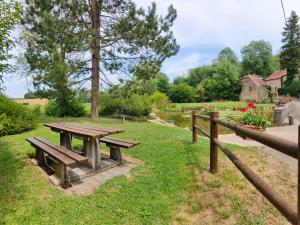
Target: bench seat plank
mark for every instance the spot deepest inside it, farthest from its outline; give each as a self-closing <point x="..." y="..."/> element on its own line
<point x="56" y="154"/>
<point x="78" y="158"/>
<point x="119" y="142"/>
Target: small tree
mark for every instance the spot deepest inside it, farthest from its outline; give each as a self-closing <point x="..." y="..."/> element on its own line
<point x="198" y="74"/>
<point x="257" y="58"/>
<point x="163" y="82"/>
<point x="290" y="50"/>
<point x="228" y="55"/>
<point x="182" y="93"/>
<point x="225" y="84"/>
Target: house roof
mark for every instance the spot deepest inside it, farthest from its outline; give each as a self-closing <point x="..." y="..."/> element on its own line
<point x="277" y="74"/>
<point x="257" y="80"/>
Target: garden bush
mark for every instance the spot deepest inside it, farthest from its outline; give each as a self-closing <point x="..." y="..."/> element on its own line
<point x="159" y="100"/>
<point x="70" y="108"/>
<point x="182" y="93"/>
<point x="109" y="105"/>
<point x="15" y="118"/>
<point x="135" y="105"/>
<point x="138" y="105"/>
<point x="293" y="89"/>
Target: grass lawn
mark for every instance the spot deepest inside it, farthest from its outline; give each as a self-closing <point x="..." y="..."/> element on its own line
<point x="219" y="106"/>
<point x="172" y="185"/>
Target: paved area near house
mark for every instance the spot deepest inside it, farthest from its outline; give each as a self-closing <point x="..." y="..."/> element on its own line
<point x="289" y="133"/>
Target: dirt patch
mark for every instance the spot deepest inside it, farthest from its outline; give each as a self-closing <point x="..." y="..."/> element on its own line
<point x="228" y="198"/>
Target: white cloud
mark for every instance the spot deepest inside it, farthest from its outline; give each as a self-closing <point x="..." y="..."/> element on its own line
<point x="204" y="25"/>
<point x="180" y="66"/>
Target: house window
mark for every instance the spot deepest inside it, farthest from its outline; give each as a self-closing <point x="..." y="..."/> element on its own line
<point x="250" y="88"/>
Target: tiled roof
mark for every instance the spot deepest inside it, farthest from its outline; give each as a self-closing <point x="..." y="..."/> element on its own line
<point x="257" y="80"/>
<point x="277" y="74"/>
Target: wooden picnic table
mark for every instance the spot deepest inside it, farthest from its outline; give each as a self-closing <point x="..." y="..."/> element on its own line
<point x="90" y="136"/>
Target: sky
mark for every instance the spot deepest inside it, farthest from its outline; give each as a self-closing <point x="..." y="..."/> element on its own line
<point x="204" y="27"/>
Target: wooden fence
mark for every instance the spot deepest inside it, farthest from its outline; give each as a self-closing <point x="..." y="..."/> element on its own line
<point x="277" y="143"/>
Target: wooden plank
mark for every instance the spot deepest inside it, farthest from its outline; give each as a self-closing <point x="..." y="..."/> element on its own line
<point x="104" y="129"/>
<point x="73" y="155"/>
<point x="119" y="142"/>
<point x="77" y="131"/>
<point x="56" y="154"/>
<point x="65" y="127"/>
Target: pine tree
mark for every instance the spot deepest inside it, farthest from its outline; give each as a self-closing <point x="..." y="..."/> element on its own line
<point x="290" y="50"/>
<point x="9" y="16"/>
<point x="99" y="36"/>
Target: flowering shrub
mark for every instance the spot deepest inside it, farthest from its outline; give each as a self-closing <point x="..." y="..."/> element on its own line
<point x="251" y="117"/>
<point x="250" y="105"/>
<point x="254" y="119"/>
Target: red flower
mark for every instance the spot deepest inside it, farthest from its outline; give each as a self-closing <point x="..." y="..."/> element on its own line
<point x="252" y="105"/>
<point x="243" y="109"/>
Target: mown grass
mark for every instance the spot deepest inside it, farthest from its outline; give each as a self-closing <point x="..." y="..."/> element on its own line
<point x="218" y="106"/>
<point x="149" y="198"/>
<point x="153" y="195"/>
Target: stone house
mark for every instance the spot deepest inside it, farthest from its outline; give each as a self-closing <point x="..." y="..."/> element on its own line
<point x="277" y="80"/>
<point x="254" y="89"/>
<point x="257" y="89"/>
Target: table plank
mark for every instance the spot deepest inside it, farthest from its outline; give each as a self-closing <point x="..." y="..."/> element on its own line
<point x="77" y="131"/>
<point x="87" y="126"/>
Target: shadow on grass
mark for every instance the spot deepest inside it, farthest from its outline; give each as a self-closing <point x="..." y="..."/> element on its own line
<point x="10" y="167"/>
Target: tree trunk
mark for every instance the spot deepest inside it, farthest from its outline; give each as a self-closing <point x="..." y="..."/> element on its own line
<point x="95" y="13"/>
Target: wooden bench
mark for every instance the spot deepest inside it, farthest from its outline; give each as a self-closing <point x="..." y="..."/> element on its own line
<point x="115" y="146"/>
<point x="63" y="156"/>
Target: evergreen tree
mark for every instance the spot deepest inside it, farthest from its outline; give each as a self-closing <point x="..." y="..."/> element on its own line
<point x="290" y="50"/>
<point x="96" y="36"/>
<point x="9" y="16"/>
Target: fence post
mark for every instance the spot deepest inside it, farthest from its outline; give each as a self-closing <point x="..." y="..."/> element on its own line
<point x="298" y="197"/>
<point x="195" y="133"/>
<point x="213" y="146"/>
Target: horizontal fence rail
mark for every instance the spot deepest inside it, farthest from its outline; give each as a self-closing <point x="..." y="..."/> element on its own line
<point x="288" y="210"/>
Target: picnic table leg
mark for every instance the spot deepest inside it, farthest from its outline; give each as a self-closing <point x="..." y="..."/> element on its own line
<point x="116" y="153"/>
<point x="66" y="140"/>
<point x="93" y="152"/>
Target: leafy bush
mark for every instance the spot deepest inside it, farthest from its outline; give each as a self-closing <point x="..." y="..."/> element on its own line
<point x="135" y="105"/>
<point x="138" y="105"/>
<point x="71" y="108"/>
<point x="182" y="93"/>
<point x="254" y="119"/>
<point x="15" y="118"/>
<point x="159" y="100"/>
<point x="293" y="89"/>
<point x="109" y="105"/>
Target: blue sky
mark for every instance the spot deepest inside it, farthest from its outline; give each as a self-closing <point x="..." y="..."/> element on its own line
<point x="204" y="27"/>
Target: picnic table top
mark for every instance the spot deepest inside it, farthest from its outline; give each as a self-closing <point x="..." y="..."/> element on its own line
<point x="83" y="129"/>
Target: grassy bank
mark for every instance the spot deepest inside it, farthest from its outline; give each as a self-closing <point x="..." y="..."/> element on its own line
<point x="218" y="106"/>
<point x="165" y="189"/>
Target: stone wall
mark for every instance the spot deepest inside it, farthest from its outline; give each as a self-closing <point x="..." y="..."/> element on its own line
<point x="282" y="112"/>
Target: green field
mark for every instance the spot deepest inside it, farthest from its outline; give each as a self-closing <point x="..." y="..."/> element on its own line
<point x="153" y="195"/>
<point x="218" y="106"/>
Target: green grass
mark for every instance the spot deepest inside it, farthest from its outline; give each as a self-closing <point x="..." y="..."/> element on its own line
<point x="219" y="106"/>
<point x="156" y="190"/>
<point x="153" y="195"/>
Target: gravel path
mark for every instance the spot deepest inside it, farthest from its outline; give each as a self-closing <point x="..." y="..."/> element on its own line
<point x="289" y="133"/>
